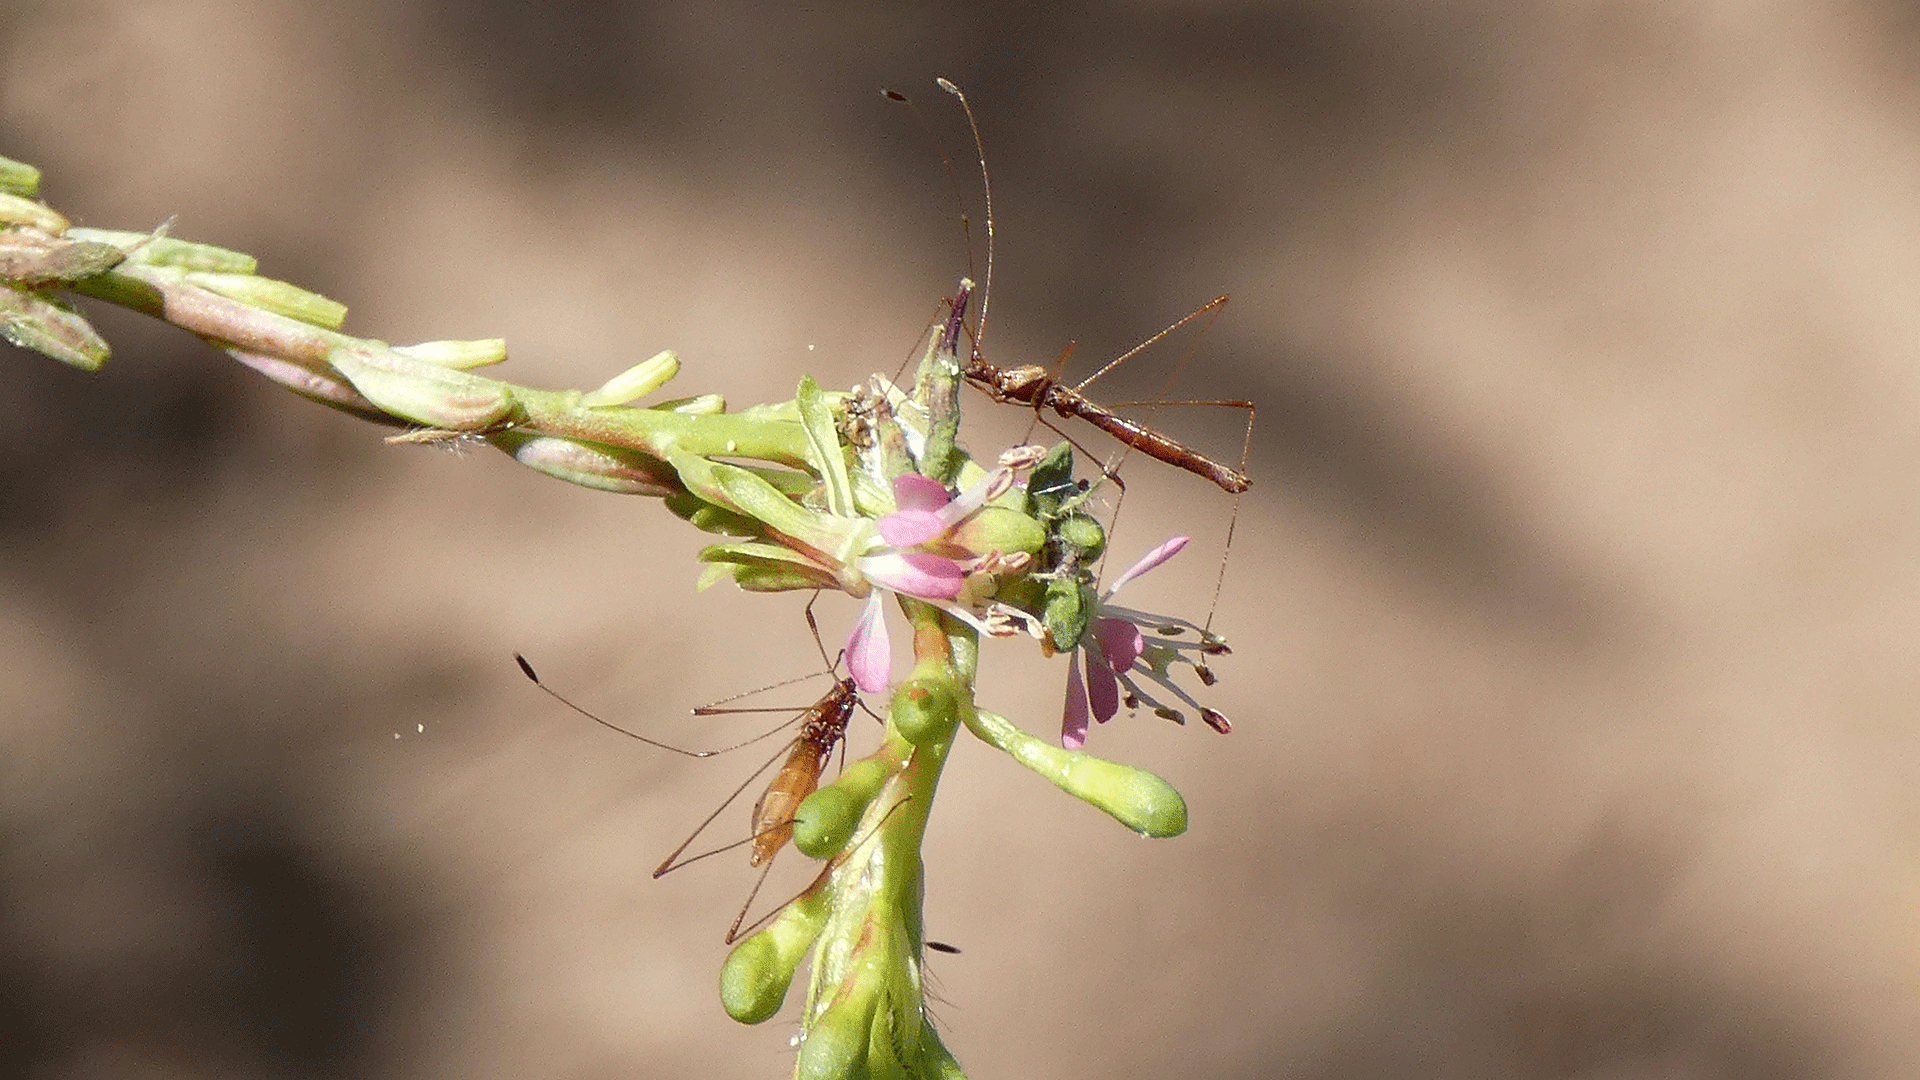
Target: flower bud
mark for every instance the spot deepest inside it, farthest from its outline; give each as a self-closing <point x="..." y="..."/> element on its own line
<point x="637" y="381"/>
<point x="275" y="296"/>
<point x="925" y="709"/>
<point x="824" y="823"/>
<point x="625" y="472"/>
<point x="459" y="355"/>
<point x="421" y="392"/>
<point x="15" y="210"/>
<point x="758" y="972"/>
<point x="19" y="178"/>
<point x="37" y="321"/>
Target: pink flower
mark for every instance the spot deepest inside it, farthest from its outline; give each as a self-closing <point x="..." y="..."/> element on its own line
<point x="926" y="514"/>
<point x="1117" y="653"/>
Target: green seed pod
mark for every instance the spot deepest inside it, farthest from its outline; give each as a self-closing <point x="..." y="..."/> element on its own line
<point x="757" y="973"/>
<point x="826" y="820"/>
<point x="1140" y="800"/>
<point x="707" y="517"/>
<point x="836" y="1041"/>
<point x="925" y="709"/>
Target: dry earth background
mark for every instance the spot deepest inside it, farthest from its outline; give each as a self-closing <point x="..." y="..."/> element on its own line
<point x="1575" y="603"/>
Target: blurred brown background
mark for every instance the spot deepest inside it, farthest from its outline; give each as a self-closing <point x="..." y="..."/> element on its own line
<point x="1575" y="602"/>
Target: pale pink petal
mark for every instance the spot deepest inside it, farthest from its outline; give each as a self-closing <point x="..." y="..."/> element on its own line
<point x="916" y="573"/>
<point x="1103" y="690"/>
<point x="915" y="492"/>
<point x="1148" y="561"/>
<point x="869" y="649"/>
<point x="910" y="528"/>
<point x="1073" y="726"/>
<point x="1121" y="642"/>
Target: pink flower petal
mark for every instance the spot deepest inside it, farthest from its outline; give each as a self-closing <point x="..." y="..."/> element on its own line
<point x="1148" y="561"/>
<point x="916" y="573"/>
<point x="910" y="528"/>
<point x="1121" y="642"/>
<point x="869" y="649"/>
<point x="1103" y="690"/>
<point x="1073" y="726"/>
<point x="915" y="492"/>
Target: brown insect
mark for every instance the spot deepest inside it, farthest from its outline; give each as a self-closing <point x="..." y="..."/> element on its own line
<point x="1033" y="385"/>
<point x="1040" y="389"/>
<point x="822" y="726"/>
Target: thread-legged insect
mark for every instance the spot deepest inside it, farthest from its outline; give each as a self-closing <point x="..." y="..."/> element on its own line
<point x="822" y="726"/>
<point x="1035" y="386"/>
<point x="1039" y="388"/>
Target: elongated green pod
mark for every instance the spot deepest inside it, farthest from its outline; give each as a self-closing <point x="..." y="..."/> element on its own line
<point x="825" y="821"/>
<point x="836" y="1041"/>
<point x="758" y="972"/>
<point x="1136" y="798"/>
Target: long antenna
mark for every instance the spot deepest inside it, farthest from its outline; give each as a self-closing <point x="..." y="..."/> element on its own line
<point x="986" y="184"/>
<point x="527" y="670"/>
